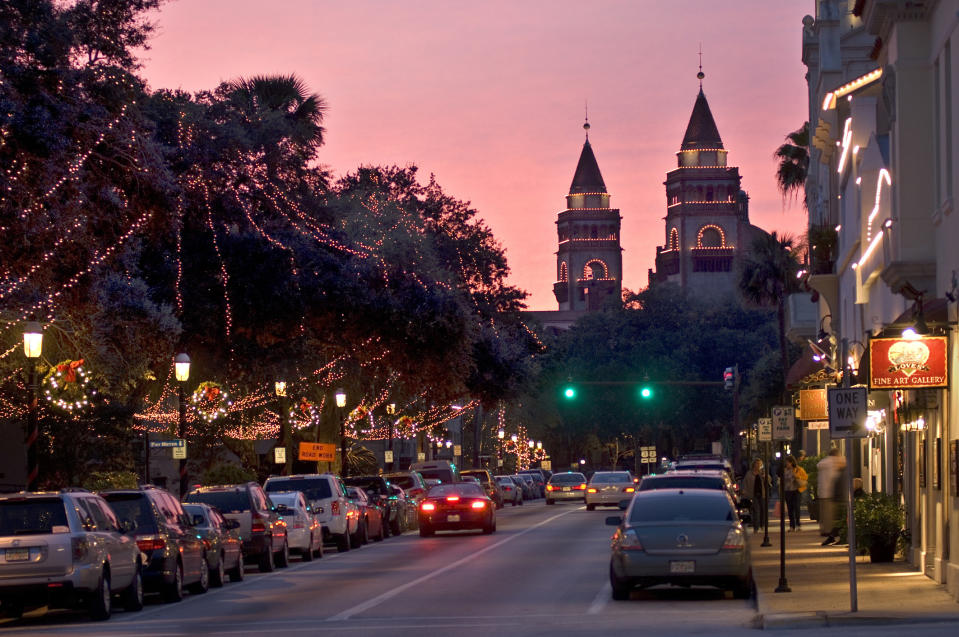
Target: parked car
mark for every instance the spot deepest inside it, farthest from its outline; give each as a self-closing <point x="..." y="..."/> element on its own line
<point x="326" y="493"/>
<point x="176" y="557"/>
<point x="378" y="489"/>
<point x="487" y="482"/>
<point x="66" y="550"/>
<point x="406" y="506"/>
<point x="704" y="462"/>
<point x="705" y="479"/>
<point x="566" y="486"/>
<point x="512" y="492"/>
<point x="608" y="488"/>
<point x="372" y="516"/>
<point x="303" y="531"/>
<point x="262" y="532"/>
<point x="679" y="536"/>
<point x="442" y="470"/>
<point x="224" y="550"/>
<point x="530" y="492"/>
<point x="412" y="483"/>
<point x="453" y="507"/>
<point x="538" y="480"/>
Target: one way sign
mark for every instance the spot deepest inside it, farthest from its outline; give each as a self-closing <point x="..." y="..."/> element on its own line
<point x="847" y="412"/>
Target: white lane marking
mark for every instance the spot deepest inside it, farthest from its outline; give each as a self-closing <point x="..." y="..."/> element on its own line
<point x="601" y="599"/>
<point x="359" y="608"/>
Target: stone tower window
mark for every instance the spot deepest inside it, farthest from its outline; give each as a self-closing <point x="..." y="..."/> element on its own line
<point x="711" y="236"/>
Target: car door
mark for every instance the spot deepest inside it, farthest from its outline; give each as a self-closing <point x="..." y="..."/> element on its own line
<point x="191" y="547"/>
<point x="105" y="532"/>
<point x="123" y="550"/>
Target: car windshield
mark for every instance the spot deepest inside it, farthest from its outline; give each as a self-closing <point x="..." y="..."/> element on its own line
<point x="682" y="482"/>
<point x="195" y="509"/>
<point x="317" y="489"/>
<point x="479" y="475"/>
<point x="461" y="488"/>
<point x="683" y="507"/>
<point x="33" y="515"/>
<point x="133" y="508"/>
<point x="371" y="485"/>
<point x="226" y="501"/>
<point x="568" y="478"/>
<point x="609" y="478"/>
<point x="406" y="482"/>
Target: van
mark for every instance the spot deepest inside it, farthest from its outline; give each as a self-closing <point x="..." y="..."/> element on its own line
<point x="442" y="470"/>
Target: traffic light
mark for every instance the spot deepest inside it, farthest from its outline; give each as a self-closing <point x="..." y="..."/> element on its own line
<point x="729" y="378"/>
<point x="569" y="392"/>
<point x="646" y="392"/>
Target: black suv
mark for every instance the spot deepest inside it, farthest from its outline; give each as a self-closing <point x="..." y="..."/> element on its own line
<point x="176" y="557"/>
<point x="261" y="529"/>
<point x="378" y="488"/>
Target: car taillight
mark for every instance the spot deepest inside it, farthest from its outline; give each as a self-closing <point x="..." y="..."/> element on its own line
<point x="506" y="488"/>
<point x="207" y="544"/>
<point x="580" y="486"/>
<point x="735" y="540"/>
<point x="258" y="524"/>
<point x="335" y="507"/>
<point x="629" y="541"/>
<point x="549" y="487"/>
<point x="477" y="504"/>
<point x="150" y="543"/>
<point x="592" y="490"/>
<point x="452" y="498"/>
<point x="79" y="547"/>
<point x="629" y="490"/>
<point x="428" y="506"/>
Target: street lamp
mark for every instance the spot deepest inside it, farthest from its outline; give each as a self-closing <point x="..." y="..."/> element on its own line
<point x="279" y="387"/>
<point x="500" y="434"/>
<point x="181" y="367"/>
<point x="32" y="346"/>
<point x="539" y="444"/>
<point x="531" y="444"/>
<point x="340" y="396"/>
<point x="514" y="438"/>
<point x="391" y="411"/>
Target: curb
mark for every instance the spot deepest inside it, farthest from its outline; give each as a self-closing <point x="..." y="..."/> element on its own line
<point x="821" y="619"/>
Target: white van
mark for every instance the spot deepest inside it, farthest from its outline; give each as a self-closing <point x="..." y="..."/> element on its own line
<point x="442" y="470"/>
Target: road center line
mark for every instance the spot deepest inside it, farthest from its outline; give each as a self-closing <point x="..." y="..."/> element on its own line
<point x="370" y="603"/>
<point x="601" y="599"/>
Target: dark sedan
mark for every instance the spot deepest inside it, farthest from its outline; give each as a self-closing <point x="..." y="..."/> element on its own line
<point x="222" y="542"/>
<point x="457" y="506"/>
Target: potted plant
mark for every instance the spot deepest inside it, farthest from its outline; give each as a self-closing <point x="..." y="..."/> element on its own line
<point x="880" y="519"/>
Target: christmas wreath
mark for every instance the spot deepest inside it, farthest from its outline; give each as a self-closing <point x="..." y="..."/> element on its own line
<point x="304" y="414"/>
<point x="67" y="386"/>
<point x="209" y="401"/>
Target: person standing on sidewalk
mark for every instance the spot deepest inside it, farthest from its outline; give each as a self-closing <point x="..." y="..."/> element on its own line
<point x="829" y="492"/>
<point x="794" y="481"/>
<point x="756" y="488"/>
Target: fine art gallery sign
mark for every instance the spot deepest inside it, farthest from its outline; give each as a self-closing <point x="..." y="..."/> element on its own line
<point x="899" y="363"/>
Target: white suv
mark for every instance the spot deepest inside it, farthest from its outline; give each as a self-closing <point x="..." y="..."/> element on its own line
<point x="326" y="493"/>
<point x="66" y="549"/>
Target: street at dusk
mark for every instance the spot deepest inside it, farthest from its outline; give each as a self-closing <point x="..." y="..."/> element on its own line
<point x="526" y="319"/>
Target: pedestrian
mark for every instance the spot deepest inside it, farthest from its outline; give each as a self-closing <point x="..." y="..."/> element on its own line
<point x="794" y="481"/>
<point x="829" y="492"/>
<point x="756" y="488"/>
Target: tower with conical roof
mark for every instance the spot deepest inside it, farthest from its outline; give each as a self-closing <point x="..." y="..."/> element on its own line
<point x="707" y="212"/>
<point x="589" y="261"/>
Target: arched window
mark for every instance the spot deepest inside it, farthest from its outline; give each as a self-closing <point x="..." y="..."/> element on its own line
<point x="595" y="269"/>
<point x="563" y="272"/>
<point x="673" y="243"/>
<point x="711" y="236"/>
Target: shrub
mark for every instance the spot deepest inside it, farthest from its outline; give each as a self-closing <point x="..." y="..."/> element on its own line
<point x="103" y="480"/>
<point x="226" y="473"/>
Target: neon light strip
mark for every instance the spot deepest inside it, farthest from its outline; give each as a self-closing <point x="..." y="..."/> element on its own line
<point x="846" y="138"/>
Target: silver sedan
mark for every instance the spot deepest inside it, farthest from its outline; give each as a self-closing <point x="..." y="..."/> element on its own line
<point x="686" y="537"/>
<point x="609" y="488"/>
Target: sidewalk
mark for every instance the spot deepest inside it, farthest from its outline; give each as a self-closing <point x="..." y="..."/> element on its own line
<point x="819" y="579"/>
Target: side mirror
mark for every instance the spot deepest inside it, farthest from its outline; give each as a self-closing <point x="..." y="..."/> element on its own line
<point x="614" y="520"/>
<point x="623" y="505"/>
<point x="197" y="520"/>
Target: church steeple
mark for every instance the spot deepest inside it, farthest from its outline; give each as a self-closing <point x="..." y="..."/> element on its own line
<point x="587" y="179"/>
<point x="701" y="132"/>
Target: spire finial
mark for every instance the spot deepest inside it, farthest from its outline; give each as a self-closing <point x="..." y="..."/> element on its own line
<point x="586" y="123"/>
<point x="700" y="75"/>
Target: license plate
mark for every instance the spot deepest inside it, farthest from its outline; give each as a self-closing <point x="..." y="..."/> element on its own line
<point x="452" y="518"/>
<point x="17" y="555"/>
<point x="683" y="566"/>
<point x="567" y="489"/>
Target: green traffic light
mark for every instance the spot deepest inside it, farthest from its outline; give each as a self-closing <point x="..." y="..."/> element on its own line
<point x="646" y="392"/>
<point x="570" y="392"/>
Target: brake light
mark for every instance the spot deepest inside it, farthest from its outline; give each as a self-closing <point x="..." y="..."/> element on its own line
<point x="592" y="490"/>
<point x="580" y="486"/>
<point x="452" y="498"/>
<point x="629" y="490"/>
<point x="150" y="543"/>
<point x="477" y="504"/>
<point x="258" y="524"/>
<point x="79" y="547"/>
<point x="335" y="507"/>
<point x="735" y="540"/>
<point x="207" y="544"/>
<point x="428" y="506"/>
<point x="629" y="541"/>
<point x="505" y="488"/>
<point x="549" y="487"/>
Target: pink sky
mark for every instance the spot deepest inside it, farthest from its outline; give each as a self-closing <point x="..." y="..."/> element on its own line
<point x="489" y="97"/>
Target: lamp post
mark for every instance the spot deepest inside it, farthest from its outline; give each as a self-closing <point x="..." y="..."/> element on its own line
<point x="181" y="366"/>
<point x="32" y="346"/>
<point x="340" y="396"/>
<point x="391" y="412"/>
<point x="279" y="388"/>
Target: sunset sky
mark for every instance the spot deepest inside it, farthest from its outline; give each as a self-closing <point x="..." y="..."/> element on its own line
<point x="489" y="96"/>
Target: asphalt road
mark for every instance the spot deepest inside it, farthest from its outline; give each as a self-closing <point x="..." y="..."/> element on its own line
<point x="544" y="572"/>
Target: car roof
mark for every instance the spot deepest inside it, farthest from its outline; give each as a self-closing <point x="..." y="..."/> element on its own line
<point x="671" y="493"/>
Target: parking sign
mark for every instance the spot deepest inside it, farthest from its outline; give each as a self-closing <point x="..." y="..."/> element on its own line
<point x="784" y="422"/>
<point x="765" y="429"/>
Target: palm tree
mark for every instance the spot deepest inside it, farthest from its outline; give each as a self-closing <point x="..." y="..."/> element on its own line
<point x="793" y="158"/>
<point x="767" y="276"/>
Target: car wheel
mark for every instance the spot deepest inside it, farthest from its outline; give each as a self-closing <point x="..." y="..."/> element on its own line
<point x="395" y="527"/>
<point x="307" y="554"/>
<point x="590" y="507"/>
<point x="490" y="526"/>
<point x="283" y="558"/>
<point x="383" y="531"/>
<point x="203" y="584"/>
<point x="620" y="588"/>
<point x="267" y="564"/>
<point x="133" y="595"/>
<point x="343" y="543"/>
<point x="236" y="573"/>
<point x="548" y="501"/>
<point x="173" y="592"/>
<point x="218" y="574"/>
<point x="744" y="589"/>
<point x="101" y="601"/>
<point x="426" y="531"/>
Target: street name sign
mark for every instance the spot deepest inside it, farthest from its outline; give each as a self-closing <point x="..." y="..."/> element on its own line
<point x="784" y="423"/>
<point x="848" y="409"/>
<point x="765" y="429"/>
<point x="160" y="444"/>
<point x="816" y="425"/>
<point x="317" y="451"/>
